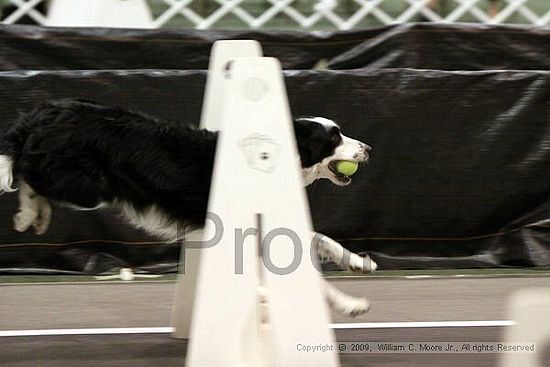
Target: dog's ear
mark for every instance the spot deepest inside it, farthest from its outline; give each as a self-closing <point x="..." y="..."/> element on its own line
<point x="303" y="127"/>
<point x="312" y="140"/>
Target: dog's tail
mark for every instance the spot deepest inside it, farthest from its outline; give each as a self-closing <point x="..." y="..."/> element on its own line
<point x="7" y="154"/>
<point x="6" y="174"/>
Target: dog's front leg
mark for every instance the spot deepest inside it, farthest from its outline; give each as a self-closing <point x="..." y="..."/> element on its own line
<point x="328" y="248"/>
<point x="338" y="301"/>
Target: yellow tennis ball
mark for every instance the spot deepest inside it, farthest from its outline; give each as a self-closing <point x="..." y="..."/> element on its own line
<point x="347" y="168"/>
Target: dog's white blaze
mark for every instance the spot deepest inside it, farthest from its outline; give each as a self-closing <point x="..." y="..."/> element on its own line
<point x="349" y="150"/>
<point x="6" y="174"/>
<point x="323" y="121"/>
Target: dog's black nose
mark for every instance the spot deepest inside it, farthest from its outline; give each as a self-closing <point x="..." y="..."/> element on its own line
<point x="363" y="154"/>
<point x="365" y="147"/>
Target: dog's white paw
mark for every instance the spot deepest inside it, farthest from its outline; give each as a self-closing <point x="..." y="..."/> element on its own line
<point x="42" y="222"/>
<point x="359" y="264"/>
<point x="41" y="226"/>
<point x="352" y="306"/>
<point x="22" y="221"/>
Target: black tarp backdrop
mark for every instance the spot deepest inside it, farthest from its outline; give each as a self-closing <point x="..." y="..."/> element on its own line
<point x="37" y="48"/>
<point x="458" y="178"/>
<point x="450" y="47"/>
<point x="421" y="46"/>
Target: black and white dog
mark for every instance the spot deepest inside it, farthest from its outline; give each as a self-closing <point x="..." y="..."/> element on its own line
<point x="157" y="173"/>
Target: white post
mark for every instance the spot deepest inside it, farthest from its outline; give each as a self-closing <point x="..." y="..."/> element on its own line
<point x="100" y="13"/>
<point x="258" y="294"/>
<point x="530" y="309"/>
<point x="222" y="53"/>
<point x="220" y="57"/>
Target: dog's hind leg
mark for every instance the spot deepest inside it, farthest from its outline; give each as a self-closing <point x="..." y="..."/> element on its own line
<point x="34" y="210"/>
<point x="42" y="222"/>
<point x="28" y="208"/>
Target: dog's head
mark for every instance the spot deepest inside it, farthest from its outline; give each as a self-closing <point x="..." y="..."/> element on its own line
<point x="321" y="145"/>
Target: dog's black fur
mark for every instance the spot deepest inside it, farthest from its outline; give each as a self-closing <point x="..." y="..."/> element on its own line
<point x="70" y="151"/>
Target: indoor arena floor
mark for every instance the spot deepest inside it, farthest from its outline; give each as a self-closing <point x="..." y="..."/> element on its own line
<point x="146" y="304"/>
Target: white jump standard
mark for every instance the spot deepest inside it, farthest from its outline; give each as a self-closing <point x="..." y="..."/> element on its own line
<point x="257" y="188"/>
<point x="222" y="55"/>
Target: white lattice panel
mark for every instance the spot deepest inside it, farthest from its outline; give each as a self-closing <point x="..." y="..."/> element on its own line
<point x="313" y="14"/>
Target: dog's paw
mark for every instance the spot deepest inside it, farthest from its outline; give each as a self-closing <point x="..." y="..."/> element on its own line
<point x="40" y="226"/>
<point x="22" y="222"/>
<point x="42" y="222"/>
<point x="359" y="264"/>
<point x="351" y="306"/>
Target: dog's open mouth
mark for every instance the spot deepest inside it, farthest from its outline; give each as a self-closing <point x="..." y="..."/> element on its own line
<point x="339" y="176"/>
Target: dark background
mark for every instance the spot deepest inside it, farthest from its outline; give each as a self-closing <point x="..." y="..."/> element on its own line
<point x="457" y="118"/>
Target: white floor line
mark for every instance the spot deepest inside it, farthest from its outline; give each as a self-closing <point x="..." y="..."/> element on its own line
<point x="421" y="324"/>
<point x="91" y="331"/>
<point x="338" y="326"/>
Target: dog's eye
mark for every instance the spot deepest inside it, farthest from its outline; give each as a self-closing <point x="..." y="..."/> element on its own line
<point x="335" y="136"/>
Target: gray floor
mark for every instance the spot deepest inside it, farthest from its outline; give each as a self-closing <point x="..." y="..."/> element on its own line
<point x="36" y="306"/>
<point x="83" y="305"/>
<point x="162" y="351"/>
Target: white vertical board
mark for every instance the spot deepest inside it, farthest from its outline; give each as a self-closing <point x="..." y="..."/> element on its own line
<point x="100" y="13"/>
<point x="530" y="310"/>
<point x="221" y="54"/>
<point x="257" y="174"/>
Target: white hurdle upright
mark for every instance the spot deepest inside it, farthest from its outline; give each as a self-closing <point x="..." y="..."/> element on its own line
<point x="529" y="308"/>
<point x="100" y="13"/>
<point x="221" y="55"/>
<point x="258" y="295"/>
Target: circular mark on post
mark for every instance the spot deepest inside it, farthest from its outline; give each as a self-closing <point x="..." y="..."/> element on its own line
<point x="254" y="89"/>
